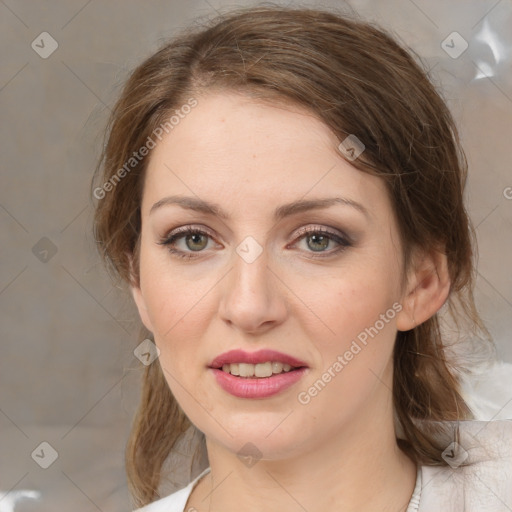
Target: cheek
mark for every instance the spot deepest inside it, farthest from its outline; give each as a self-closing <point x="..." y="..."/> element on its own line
<point x="354" y="311"/>
<point x="344" y="303"/>
<point x="174" y="298"/>
<point x="355" y="358"/>
<point x="180" y="320"/>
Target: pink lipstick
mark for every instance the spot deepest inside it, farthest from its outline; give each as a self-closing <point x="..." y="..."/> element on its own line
<point x="257" y="387"/>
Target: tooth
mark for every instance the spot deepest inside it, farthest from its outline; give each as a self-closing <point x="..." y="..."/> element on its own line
<point x="277" y="367"/>
<point x="263" y="369"/>
<point x="246" y="369"/>
<point x="259" y="370"/>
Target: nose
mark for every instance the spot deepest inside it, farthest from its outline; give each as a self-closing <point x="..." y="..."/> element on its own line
<point x="252" y="296"/>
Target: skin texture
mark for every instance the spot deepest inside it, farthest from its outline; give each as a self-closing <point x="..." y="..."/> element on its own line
<point x="338" y="451"/>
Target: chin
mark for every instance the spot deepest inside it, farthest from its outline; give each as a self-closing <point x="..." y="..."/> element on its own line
<point x="256" y="442"/>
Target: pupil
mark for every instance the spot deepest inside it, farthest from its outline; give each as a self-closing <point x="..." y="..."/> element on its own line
<point x="194" y="238"/>
<point x="322" y="239"/>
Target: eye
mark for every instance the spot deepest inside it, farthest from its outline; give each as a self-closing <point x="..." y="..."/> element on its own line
<point x="317" y="240"/>
<point x="195" y="240"/>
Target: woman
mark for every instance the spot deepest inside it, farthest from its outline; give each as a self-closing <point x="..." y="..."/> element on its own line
<point x="282" y="192"/>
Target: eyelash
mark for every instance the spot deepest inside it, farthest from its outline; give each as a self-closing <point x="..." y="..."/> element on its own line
<point x="190" y="230"/>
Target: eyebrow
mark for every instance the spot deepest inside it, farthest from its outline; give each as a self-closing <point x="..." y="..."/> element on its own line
<point x="286" y="210"/>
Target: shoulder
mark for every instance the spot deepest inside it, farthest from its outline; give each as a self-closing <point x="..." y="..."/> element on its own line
<point x="479" y="471"/>
<point x="176" y="501"/>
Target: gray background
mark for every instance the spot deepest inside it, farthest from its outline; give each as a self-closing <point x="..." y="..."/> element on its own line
<point x="68" y="375"/>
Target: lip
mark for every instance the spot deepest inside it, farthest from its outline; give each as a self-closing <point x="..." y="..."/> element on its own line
<point x="264" y="387"/>
<point x="261" y="356"/>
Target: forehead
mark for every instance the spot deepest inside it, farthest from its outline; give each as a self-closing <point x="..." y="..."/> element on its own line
<point x="239" y="152"/>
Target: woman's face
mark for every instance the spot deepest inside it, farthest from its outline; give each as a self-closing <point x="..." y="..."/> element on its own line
<point x="255" y="280"/>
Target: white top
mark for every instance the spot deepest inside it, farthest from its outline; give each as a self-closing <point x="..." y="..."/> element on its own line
<point x="477" y="479"/>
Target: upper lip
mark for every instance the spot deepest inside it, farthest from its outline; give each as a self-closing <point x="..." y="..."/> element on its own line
<point x="261" y="356"/>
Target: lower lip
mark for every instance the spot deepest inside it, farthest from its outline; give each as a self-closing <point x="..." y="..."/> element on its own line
<point x="262" y="387"/>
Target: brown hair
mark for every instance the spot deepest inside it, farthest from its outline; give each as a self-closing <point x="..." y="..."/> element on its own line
<point x="356" y="78"/>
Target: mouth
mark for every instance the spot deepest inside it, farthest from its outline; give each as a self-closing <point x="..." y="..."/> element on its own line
<point x="256" y="375"/>
<point x="257" y="381"/>
<point x="261" y="364"/>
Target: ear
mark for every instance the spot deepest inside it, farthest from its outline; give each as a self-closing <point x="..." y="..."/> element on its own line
<point x="427" y="290"/>
<point x="138" y="297"/>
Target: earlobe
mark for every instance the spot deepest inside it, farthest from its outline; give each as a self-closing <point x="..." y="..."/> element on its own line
<point x="427" y="291"/>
